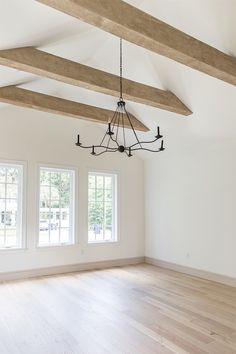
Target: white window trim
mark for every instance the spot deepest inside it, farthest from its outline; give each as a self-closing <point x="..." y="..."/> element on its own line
<point x="116" y="206"/>
<point x="74" y="198"/>
<point x="23" y="196"/>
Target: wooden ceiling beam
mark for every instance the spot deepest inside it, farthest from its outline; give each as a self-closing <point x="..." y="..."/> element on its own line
<point x="47" y="65"/>
<point x="138" y="27"/>
<point x="30" y="99"/>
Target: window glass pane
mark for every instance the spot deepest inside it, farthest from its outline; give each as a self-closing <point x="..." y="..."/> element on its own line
<point x="108" y="195"/>
<point x="56" y="207"/>
<point x="45" y="178"/>
<point x="2" y="175"/>
<point x="55" y="192"/>
<point x="12" y="190"/>
<point x="65" y="235"/>
<point x="54" y="235"/>
<point x="108" y="182"/>
<point x="100" y="208"/>
<point x="55" y="179"/>
<point x="65" y="200"/>
<point x="44" y="236"/>
<point x="11" y="239"/>
<point x="44" y="203"/>
<point x="65" y="218"/>
<point x="92" y="181"/>
<point x="2" y="190"/>
<point x="10" y="215"/>
<point x="12" y="175"/>
<point x="10" y="206"/>
<point x="108" y="213"/>
<point x="44" y="221"/>
<point x="44" y="193"/>
<point x="92" y="194"/>
<point x="100" y="180"/>
<point x="54" y="204"/>
<point x="108" y="232"/>
<point x="99" y="195"/>
<point x="65" y="180"/>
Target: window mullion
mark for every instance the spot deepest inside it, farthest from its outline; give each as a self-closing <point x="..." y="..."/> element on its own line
<point x="60" y="215"/>
<point x="5" y="208"/>
<point x="50" y="204"/>
<point x="104" y="210"/>
<point x="19" y="208"/>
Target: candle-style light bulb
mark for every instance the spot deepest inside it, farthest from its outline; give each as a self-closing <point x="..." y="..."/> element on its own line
<point x="109" y="129"/>
<point x="158" y="136"/>
<point x="93" y="152"/>
<point x="78" y="143"/>
<point x="162" y="146"/>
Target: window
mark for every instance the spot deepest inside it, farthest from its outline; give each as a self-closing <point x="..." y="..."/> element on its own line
<point x="11" y="210"/>
<point x="102" y="207"/>
<point x="56" y="206"/>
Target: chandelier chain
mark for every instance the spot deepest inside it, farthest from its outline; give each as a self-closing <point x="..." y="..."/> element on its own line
<point x="121" y="70"/>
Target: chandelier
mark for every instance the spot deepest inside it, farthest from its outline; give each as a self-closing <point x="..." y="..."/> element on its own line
<point x="115" y="138"/>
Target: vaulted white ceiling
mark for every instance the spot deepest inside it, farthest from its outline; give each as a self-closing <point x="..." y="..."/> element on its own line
<point x="213" y="102"/>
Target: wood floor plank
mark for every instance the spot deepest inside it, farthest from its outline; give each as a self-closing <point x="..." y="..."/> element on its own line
<point x="127" y="310"/>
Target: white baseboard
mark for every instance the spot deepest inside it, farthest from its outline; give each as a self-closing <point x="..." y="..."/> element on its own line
<point x="223" y="279"/>
<point x="34" y="273"/>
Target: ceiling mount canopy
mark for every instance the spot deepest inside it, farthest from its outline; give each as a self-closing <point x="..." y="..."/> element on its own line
<point x="114" y="139"/>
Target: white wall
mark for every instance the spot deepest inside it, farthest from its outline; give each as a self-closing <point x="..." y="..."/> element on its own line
<point x="191" y="206"/>
<point x="37" y="137"/>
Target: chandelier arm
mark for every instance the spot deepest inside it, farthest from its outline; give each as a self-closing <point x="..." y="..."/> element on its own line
<point x="111" y="139"/>
<point x="118" y="126"/>
<point x="113" y="127"/>
<point x="114" y="119"/>
<point x="97" y="146"/>
<point x="135" y="134"/>
<point x="122" y="114"/>
<point x="108" y="147"/>
<point x="103" y="138"/>
<point x="145" y="149"/>
<point x="103" y="152"/>
<point x="115" y="141"/>
<point x="114" y="116"/>
<point x="144" y="142"/>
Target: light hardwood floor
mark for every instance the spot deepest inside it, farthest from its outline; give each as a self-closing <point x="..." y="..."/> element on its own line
<point x="129" y="310"/>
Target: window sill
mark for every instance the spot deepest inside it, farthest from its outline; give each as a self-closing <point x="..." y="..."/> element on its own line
<point x="13" y="249"/>
<point x="103" y="242"/>
<point x="56" y="246"/>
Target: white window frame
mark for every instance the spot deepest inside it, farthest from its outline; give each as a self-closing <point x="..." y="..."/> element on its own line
<point x="73" y="198"/>
<point x="21" y="204"/>
<point x="115" y="206"/>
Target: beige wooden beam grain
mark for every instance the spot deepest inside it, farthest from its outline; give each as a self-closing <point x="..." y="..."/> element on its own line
<point x="136" y="26"/>
<point x="51" y="66"/>
<point x="30" y="99"/>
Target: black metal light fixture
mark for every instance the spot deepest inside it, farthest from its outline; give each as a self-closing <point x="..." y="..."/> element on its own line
<point x="114" y="138"/>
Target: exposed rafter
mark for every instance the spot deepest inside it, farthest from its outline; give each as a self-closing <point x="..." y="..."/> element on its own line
<point x="30" y="99"/>
<point x="44" y="64"/>
<point x="136" y="26"/>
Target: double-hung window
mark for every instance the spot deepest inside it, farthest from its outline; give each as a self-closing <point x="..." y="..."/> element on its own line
<point x="102" y="207"/>
<point x="56" y="206"/>
<point x="11" y="205"/>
